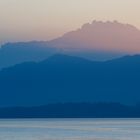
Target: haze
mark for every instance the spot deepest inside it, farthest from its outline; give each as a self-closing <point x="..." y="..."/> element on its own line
<point x="24" y="20"/>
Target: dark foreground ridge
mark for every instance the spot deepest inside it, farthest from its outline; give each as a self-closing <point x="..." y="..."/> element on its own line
<point x="62" y="79"/>
<point x="73" y="110"/>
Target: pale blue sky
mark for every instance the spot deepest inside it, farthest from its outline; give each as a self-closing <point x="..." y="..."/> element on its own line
<point x="22" y="20"/>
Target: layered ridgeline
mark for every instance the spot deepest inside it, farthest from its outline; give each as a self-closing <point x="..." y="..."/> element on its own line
<point x="95" y="41"/>
<point x="63" y="78"/>
<point x="15" y="53"/>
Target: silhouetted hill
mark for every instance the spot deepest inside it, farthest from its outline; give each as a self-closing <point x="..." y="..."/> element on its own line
<point x="62" y="78"/>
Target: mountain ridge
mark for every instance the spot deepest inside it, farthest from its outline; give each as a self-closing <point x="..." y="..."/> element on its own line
<point x="31" y="84"/>
<point x="94" y="41"/>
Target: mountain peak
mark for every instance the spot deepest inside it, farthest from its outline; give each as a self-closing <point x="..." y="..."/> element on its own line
<point x="108" y="24"/>
<point x="110" y="36"/>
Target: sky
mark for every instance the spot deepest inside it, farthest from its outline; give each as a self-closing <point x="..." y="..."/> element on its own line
<point x="25" y="20"/>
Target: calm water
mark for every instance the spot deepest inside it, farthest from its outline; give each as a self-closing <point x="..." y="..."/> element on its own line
<point x="70" y="129"/>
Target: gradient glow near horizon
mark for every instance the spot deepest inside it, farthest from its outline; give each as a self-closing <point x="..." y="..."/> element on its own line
<point x="25" y="20"/>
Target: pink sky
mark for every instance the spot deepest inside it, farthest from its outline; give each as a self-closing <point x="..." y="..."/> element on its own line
<point x="46" y="19"/>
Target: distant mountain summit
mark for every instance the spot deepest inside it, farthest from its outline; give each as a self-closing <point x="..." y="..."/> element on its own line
<point x="102" y="36"/>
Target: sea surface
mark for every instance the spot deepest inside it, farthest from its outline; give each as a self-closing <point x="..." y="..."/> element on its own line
<point x="70" y="129"/>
